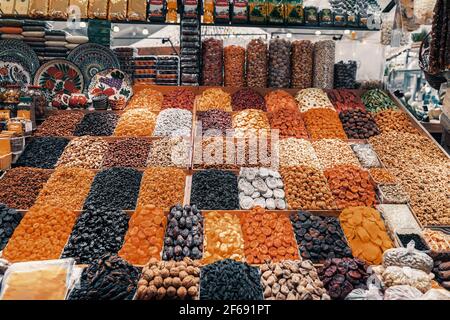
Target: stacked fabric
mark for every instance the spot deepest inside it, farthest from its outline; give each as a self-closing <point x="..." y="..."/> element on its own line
<point x="11" y="29"/>
<point x="34" y="35"/>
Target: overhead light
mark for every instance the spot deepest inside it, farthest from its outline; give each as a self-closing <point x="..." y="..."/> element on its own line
<point x="145" y="32"/>
<point x="318" y="33"/>
<point x="289" y="35"/>
<point x="347" y="32"/>
<point x="116" y="29"/>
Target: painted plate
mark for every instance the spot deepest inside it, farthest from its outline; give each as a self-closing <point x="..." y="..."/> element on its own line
<point x="14" y="73"/>
<point x="60" y="77"/>
<point x="112" y="82"/>
<point x="19" y="52"/>
<point x="93" y="58"/>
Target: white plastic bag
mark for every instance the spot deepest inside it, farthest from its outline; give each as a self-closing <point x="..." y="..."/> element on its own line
<point x="393" y="276"/>
<point x="408" y="257"/>
<point x="436" y="294"/>
<point x="373" y="293"/>
<point x="402" y="292"/>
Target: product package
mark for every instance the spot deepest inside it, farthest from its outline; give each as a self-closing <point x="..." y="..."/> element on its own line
<point x="275" y="11"/>
<point x="240" y="11"/>
<point x="222" y="11"/>
<point x="190" y="9"/>
<point x="326" y="17"/>
<point x="38" y="9"/>
<point x="98" y="9"/>
<point x="295" y="14"/>
<point x="257" y="11"/>
<point x="57" y="9"/>
<point x="82" y="6"/>
<point x="117" y="10"/>
<point x="157" y="10"/>
<point x="171" y="14"/>
<point x="311" y="16"/>
<point x="21" y="7"/>
<point x="137" y="10"/>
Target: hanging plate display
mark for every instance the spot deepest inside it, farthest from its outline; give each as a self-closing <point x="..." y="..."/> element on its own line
<point x="14" y="73"/>
<point x="60" y="77"/>
<point x="19" y="52"/>
<point x="93" y="58"/>
<point x="112" y="82"/>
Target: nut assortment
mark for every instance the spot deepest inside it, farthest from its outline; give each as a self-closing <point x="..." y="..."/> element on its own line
<point x="223" y="237"/>
<point x="319" y="237"/>
<point x="393" y="194"/>
<point x="323" y="123"/>
<point x="382" y="176"/>
<point x="145" y="235"/>
<point x="268" y="236"/>
<point x="169" y="280"/>
<point x="173" y="123"/>
<point x="180" y="98"/>
<point x="261" y="187"/>
<point x="256" y="68"/>
<point x="302" y="52"/>
<point x="67" y="188"/>
<point x="366" y="233"/>
<point x="350" y="186"/>
<point x="162" y="187"/>
<point x="324" y="57"/>
<point x="307" y="189"/>
<point x="214" y="98"/>
<point x="169" y="152"/>
<point x="247" y="98"/>
<point x="312" y="98"/>
<point x="84" y="152"/>
<point x="234" y="66"/>
<point x="292" y="280"/>
<point x="41" y="235"/>
<point x="341" y="276"/>
<point x="212" y="73"/>
<point x="333" y="152"/>
<point x="250" y="121"/>
<point x="127" y="152"/>
<point x="394" y="120"/>
<point x="298" y="152"/>
<point x="214" y="154"/>
<point x="279" y="63"/>
<point x="20" y="187"/>
<point x="60" y="124"/>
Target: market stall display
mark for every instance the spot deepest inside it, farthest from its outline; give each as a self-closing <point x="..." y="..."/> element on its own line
<point x="10" y="219"/>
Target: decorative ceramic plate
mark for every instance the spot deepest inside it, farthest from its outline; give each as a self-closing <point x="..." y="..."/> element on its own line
<point x="60" y="77"/>
<point x="93" y="58"/>
<point x="112" y="82"/>
<point x="19" y="52"/>
<point x="14" y="73"/>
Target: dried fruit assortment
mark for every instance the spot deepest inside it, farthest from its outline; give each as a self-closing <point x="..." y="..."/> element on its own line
<point x="230" y="280"/>
<point x="302" y="52"/>
<point x="261" y="187"/>
<point x="145" y="235"/>
<point x="437" y="240"/>
<point x="108" y="278"/>
<point x="9" y="220"/>
<point x="97" y="124"/>
<point x="366" y="233"/>
<point x="215" y="122"/>
<point x="215" y="154"/>
<point x="289" y="122"/>
<point x="162" y="187"/>
<point x="212" y="53"/>
<point x="215" y="190"/>
<point x="180" y="98"/>
<point x="345" y="100"/>
<point x="256" y="67"/>
<point x="184" y="234"/>
<point x="214" y="98"/>
<point x="147" y="98"/>
<point x="366" y="155"/>
<point x="173" y="123"/>
<point x="333" y="152"/>
<point x="280" y="100"/>
<point x="234" y="66"/>
<point x="41" y="235"/>
<point x="115" y="188"/>
<point x="358" y="124"/>
<point x="341" y="276"/>
<point x="247" y="98"/>
<point x="170" y="152"/>
<point x="382" y="176"/>
<point x="84" y="152"/>
<point x="96" y="232"/>
<point x="350" y="186"/>
<point x="67" y="188"/>
<point x="20" y="187"/>
<point x="319" y="237"/>
<point x="292" y="280"/>
<point x="298" y="152"/>
<point x="307" y="189"/>
<point x="127" y="152"/>
<point x="169" y="280"/>
<point x="223" y="237"/>
<point x="136" y="123"/>
<point x="377" y="100"/>
<point x="393" y="193"/>
<point x="394" y="120"/>
<point x="323" y="123"/>
<point x="268" y="236"/>
<point x="312" y="98"/>
<point x="250" y="121"/>
<point x="42" y="152"/>
<point x="60" y="124"/>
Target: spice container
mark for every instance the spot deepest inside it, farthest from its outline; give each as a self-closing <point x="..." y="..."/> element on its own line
<point x="257" y="64"/>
